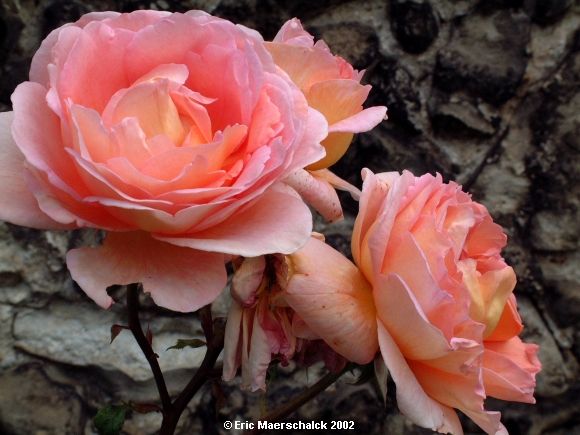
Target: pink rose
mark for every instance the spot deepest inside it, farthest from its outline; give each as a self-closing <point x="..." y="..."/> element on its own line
<point x="442" y="300"/>
<point x="447" y="318"/>
<point x="174" y="133"/>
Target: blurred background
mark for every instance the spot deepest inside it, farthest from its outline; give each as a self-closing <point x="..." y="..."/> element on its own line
<point x="484" y="92"/>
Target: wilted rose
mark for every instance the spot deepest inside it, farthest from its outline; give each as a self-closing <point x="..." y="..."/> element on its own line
<point x="262" y="327"/>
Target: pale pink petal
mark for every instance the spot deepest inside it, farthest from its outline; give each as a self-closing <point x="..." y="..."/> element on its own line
<point x="44" y="55"/>
<point x="305" y="66"/>
<point x="337" y="182"/>
<point x="310" y="150"/>
<point x="293" y="33"/>
<point x="37" y="132"/>
<point x="360" y="122"/>
<point x="373" y="196"/>
<point x="134" y="21"/>
<point x="150" y="102"/>
<point x="277" y="222"/>
<point x="255" y="367"/>
<point x="233" y="341"/>
<point x="412" y="399"/>
<point x="180" y="279"/>
<point x="67" y="207"/>
<point x="97" y="57"/>
<point x="174" y="72"/>
<point x="330" y="294"/>
<point x="19" y="206"/>
<point x="379" y="233"/>
<point x="301" y="330"/>
<point x="316" y="192"/>
<point x="247" y="279"/>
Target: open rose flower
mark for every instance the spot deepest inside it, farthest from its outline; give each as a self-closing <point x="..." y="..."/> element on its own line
<point x="447" y="319"/>
<point x="332" y="87"/>
<point x="171" y="131"/>
<point x="263" y="321"/>
<point x="446" y="316"/>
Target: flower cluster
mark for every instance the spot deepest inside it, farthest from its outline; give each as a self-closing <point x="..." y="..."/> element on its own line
<point x="194" y="143"/>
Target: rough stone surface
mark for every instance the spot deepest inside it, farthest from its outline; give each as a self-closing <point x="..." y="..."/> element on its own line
<point x="483" y="91"/>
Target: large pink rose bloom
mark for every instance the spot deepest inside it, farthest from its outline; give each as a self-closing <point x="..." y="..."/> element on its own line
<point x="171" y="131"/>
<point x="447" y="319"/>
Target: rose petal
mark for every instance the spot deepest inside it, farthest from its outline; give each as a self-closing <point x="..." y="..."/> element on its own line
<point x="510" y="322"/>
<point x="180" y="279"/>
<point x="397" y="308"/>
<point x="19" y="206"/>
<point x="360" y="122"/>
<point x="509" y="370"/>
<point x="318" y="193"/>
<point x="36" y="130"/>
<point x="233" y="341"/>
<point x="277" y="222"/>
<point x="247" y="279"/>
<point x="461" y="389"/>
<point x="293" y="33"/>
<point x="255" y="366"/>
<point x="330" y="294"/>
<point x="337" y="182"/>
<point x="411" y="398"/>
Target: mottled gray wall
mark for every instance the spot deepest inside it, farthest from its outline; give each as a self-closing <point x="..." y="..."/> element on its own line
<point x="485" y="92"/>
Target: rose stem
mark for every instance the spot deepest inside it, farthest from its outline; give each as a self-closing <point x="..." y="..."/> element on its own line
<point x="135" y="327"/>
<point x="215" y="343"/>
<point x="305" y="396"/>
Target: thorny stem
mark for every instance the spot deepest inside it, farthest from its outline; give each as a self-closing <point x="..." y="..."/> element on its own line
<point x="214" y="334"/>
<point x="305" y="396"/>
<point x="214" y="348"/>
<point x="135" y="327"/>
<point x="214" y="331"/>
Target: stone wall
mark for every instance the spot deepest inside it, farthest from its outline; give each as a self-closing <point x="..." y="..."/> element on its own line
<point x="484" y="92"/>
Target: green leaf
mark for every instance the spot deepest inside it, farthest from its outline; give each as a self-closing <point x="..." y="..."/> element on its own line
<point x="184" y="342"/>
<point x="109" y="420"/>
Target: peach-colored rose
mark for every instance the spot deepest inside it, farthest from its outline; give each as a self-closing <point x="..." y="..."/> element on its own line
<point x="331" y="86"/>
<point x="172" y="131"/>
<point x="447" y="319"/>
<point x="446" y="316"/>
